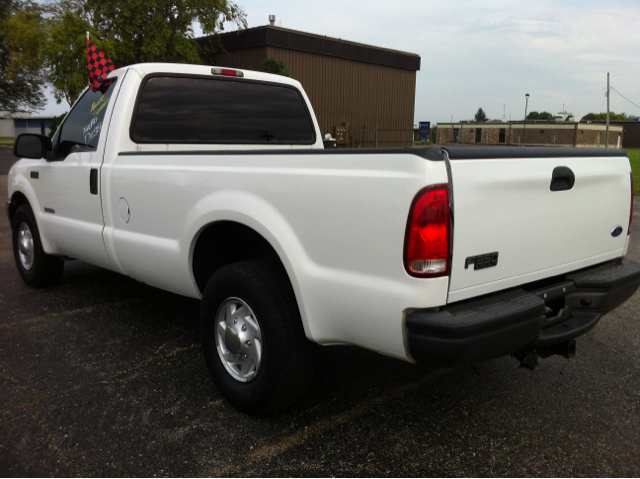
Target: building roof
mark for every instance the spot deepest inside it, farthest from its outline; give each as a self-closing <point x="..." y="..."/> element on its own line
<point x="531" y="125"/>
<point x="611" y="121"/>
<point x="21" y="115"/>
<point x="279" y="37"/>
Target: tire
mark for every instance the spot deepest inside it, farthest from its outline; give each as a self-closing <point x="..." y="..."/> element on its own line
<point x="36" y="267"/>
<point x="253" y="340"/>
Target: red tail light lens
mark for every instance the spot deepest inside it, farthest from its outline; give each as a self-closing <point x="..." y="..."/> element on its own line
<point x="427" y="239"/>
<point x="631" y="212"/>
<point x="227" y="72"/>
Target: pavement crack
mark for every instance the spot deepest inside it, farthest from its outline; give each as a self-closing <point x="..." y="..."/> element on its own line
<point x="40" y="398"/>
<point x="64" y="461"/>
<point x="268" y="452"/>
<point x="64" y="314"/>
<point x="173" y="352"/>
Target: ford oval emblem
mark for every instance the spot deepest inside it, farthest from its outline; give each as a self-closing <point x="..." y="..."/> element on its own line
<point x="616" y="231"/>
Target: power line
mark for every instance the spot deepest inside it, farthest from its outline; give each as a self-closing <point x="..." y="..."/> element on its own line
<point x="624" y="96"/>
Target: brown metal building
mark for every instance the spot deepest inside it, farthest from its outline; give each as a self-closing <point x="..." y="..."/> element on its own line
<point x="363" y="95"/>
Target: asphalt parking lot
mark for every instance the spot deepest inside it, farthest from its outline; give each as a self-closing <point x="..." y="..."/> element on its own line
<point x="103" y="376"/>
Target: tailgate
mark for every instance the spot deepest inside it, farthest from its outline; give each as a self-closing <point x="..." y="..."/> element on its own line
<point x="503" y="203"/>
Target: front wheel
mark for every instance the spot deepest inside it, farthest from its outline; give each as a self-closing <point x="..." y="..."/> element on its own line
<point x="36" y="267"/>
<point x="253" y="340"/>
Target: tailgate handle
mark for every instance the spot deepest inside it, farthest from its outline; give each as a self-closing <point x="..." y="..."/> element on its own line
<point x="562" y="179"/>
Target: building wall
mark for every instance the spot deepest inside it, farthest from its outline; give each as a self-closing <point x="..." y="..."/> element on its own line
<point x="631" y="132"/>
<point x="39" y="126"/>
<point x="531" y="134"/>
<point x="245" y="59"/>
<point x="12" y="127"/>
<point x="357" y="97"/>
<point x="351" y="99"/>
<point x="7" y="129"/>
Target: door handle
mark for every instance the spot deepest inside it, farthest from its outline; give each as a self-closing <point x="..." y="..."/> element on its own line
<point x="93" y="181"/>
<point x="562" y="179"/>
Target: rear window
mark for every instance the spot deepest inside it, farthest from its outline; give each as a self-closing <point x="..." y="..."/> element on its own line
<point x="205" y="110"/>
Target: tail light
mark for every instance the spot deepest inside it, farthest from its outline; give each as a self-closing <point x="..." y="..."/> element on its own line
<point x="427" y="239"/>
<point x="631" y="212"/>
<point x="227" y="72"/>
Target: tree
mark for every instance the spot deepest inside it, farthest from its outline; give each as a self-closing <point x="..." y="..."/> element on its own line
<point x="55" y="123"/>
<point x="65" y="55"/>
<point x="534" y="115"/>
<point x="128" y="31"/>
<point x="433" y="134"/>
<point x="271" y="65"/>
<point x="481" y="116"/>
<point x="603" y="116"/>
<point x="21" y="78"/>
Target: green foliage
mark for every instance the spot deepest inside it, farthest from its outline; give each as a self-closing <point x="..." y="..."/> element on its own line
<point x="634" y="159"/>
<point x="534" y="115"/>
<point x="21" y="76"/>
<point x="433" y="134"/>
<point x="271" y="65"/>
<point x="67" y="66"/>
<point x="128" y="31"/>
<point x="603" y="116"/>
<point x="480" y="116"/>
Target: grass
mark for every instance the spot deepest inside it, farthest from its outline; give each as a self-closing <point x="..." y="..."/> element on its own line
<point x="4" y="141"/>
<point x="634" y="159"/>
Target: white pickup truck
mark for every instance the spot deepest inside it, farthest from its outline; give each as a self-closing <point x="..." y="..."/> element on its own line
<point x="213" y="183"/>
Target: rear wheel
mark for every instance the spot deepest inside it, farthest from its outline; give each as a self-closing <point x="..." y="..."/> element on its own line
<point x="36" y="267"/>
<point x="253" y="340"/>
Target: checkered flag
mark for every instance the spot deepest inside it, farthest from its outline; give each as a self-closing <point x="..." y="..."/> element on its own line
<point x="99" y="65"/>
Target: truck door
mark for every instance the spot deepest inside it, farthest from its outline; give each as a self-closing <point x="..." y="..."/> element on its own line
<point x="69" y="183"/>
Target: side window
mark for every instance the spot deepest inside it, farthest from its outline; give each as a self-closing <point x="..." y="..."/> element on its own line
<point x="81" y="129"/>
<point x="205" y="110"/>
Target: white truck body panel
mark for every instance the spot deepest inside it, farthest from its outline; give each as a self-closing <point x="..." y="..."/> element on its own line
<point x="337" y="221"/>
<point x="319" y="225"/>
<point x="506" y="206"/>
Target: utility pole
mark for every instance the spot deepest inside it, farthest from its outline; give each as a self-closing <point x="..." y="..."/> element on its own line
<point x="524" y="125"/>
<point x="606" y="145"/>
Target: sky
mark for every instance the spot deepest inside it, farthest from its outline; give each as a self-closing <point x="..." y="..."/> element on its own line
<point x="486" y="53"/>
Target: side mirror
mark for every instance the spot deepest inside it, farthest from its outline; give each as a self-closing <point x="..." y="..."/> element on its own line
<point x="29" y="145"/>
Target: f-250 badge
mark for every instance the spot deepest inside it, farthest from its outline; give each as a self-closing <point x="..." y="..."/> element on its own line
<point x="482" y="261"/>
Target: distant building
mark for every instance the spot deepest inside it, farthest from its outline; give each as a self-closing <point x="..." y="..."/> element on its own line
<point x="563" y="116"/>
<point x="630" y="130"/>
<point x="364" y="96"/>
<point x="529" y="134"/>
<point x="14" y="124"/>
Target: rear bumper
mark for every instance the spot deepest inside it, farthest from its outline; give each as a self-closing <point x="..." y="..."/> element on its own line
<point x="527" y="318"/>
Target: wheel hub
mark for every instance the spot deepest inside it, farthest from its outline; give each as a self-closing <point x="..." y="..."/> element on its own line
<point x="26" y="247"/>
<point x="238" y="339"/>
<point x="232" y="340"/>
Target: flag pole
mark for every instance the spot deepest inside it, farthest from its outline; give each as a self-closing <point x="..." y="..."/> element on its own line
<point x="88" y="52"/>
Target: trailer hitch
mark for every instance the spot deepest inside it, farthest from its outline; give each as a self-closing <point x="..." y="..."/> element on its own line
<point x="529" y="358"/>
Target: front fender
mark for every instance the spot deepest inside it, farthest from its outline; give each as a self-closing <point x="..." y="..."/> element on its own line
<point x="19" y="184"/>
